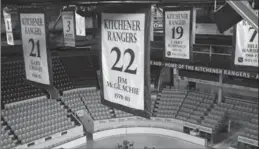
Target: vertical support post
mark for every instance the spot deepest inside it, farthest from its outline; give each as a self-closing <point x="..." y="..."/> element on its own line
<point x="152" y="23"/>
<point x="220" y="88"/>
<point x="176" y="78"/>
<point x="215" y="5"/>
<point x="210" y="52"/>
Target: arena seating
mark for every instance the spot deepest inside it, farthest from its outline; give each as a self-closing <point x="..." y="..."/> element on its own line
<point x="215" y="120"/>
<point x="41" y="117"/>
<point x="169" y="102"/>
<point x="61" y="78"/>
<point x="81" y="70"/>
<point x="119" y="113"/>
<point x="238" y="111"/>
<point x="73" y="101"/>
<point x="195" y="107"/>
<point x="13" y="85"/>
<point x="250" y="129"/>
<point x="36" y="118"/>
<point x="92" y="99"/>
<point x="8" y="139"/>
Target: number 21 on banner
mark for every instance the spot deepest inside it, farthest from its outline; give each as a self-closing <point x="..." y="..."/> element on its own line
<point x="34" y="53"/>
<point x="33" y="29"/>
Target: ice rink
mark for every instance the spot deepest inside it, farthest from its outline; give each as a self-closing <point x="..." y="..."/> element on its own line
<point x="140" y="141"/>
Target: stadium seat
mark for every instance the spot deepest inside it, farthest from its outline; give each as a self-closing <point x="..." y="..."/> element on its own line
<point x="13" y="85"/>
<point x="36" y="119"/>
<point x="92" y="99"/>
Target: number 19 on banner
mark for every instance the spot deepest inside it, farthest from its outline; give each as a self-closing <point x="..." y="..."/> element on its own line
<point x="33" y="30"/>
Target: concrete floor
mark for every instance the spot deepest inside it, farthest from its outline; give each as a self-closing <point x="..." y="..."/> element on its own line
<point x="140" y="141"/>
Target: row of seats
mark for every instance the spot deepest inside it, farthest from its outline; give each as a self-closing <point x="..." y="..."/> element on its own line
<point x="13" y="85"/>
<point x="36" y="119"/>
<point x="61" y="78"/>
<point x="236" y="101"/>
<point x="237" y="110"/>
<point x="8" y="140"/>
<point x="169" y="102"/>
<point x="92" y="99"/>
<point x="73" y="101"/>
<point x="251" y="129"/>
<point x="195" y="107"/>
<point x="81" y="70"/>
<point x="215" y="120"/>
<point x="119" y="113"/>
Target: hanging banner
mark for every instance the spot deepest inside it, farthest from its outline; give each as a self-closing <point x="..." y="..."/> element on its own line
<point x="124" y="61"/>
<point x="246" y="48"/>
<point x="8" y="27"/>
<point x="178" y="33"/>
<point x="69" y="28"/>
<point x="34" y="42"/>
<point x="157" y="20"/>
<point x="80" y="25"/>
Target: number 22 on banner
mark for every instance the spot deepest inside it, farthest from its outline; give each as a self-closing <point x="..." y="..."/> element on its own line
<point x="34" y="47"/>
<point x="119" y="68"/>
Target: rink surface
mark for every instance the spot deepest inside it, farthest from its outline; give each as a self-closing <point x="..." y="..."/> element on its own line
<point x="140" y="141"/>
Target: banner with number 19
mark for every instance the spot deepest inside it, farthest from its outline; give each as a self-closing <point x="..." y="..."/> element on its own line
<point x="178" y="23"/>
